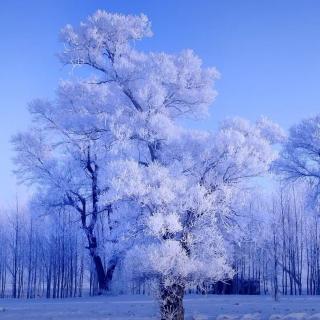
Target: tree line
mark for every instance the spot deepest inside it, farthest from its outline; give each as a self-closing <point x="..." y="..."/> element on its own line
<point x="276" y="252"/>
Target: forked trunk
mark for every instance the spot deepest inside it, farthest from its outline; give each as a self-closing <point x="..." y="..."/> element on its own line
<point x="104" y="277"/>
<point x="100" y="272"/>
<point x="171" y="302"/>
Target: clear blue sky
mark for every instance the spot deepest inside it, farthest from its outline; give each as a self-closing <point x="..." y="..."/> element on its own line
<point x="268" y="53"/>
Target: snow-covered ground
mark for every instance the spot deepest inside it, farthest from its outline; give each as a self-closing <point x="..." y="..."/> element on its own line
<point x="141" y="308"/>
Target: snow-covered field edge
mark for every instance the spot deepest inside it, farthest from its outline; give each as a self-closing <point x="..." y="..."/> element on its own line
<point x="136" y="307"/>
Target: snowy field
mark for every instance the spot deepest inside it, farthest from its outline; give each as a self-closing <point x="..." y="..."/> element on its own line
<point x="140" y="308"/>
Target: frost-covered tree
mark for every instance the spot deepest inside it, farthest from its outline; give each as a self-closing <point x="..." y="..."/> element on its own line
<point x="125" y="108"/>
<point x="186" y="199"/>
<point x="64" y="155"/>
<point x="300" y="156"/>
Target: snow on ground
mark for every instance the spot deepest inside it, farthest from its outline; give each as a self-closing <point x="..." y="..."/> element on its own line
<point x="142" y="308"/>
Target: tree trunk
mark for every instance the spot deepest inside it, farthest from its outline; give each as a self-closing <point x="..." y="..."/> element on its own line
<point x="171" y="302"/>
<point x="100" y="272"/>
<point x="93" y="170"/>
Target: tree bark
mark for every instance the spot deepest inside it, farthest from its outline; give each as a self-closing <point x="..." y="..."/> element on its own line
<point x="93" y="170"/>
<point x="101" y="275"/>
<point x="171" y="302"/>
